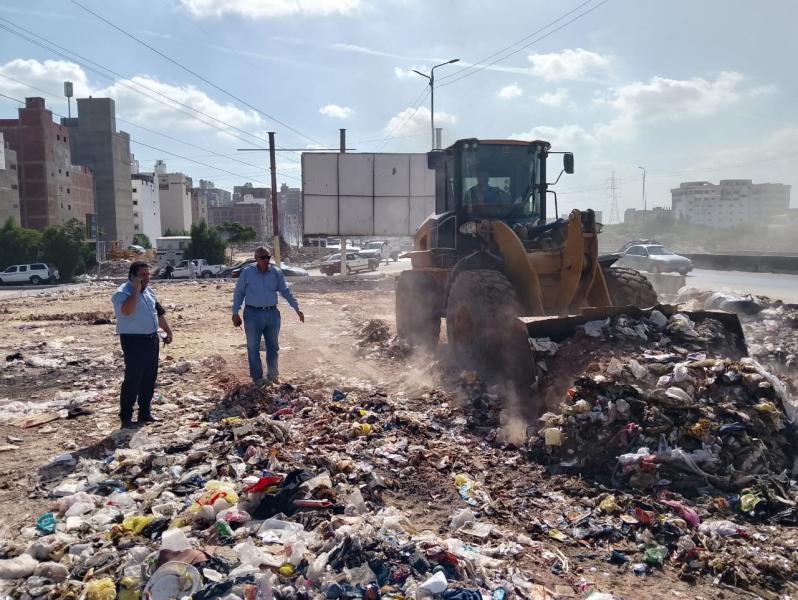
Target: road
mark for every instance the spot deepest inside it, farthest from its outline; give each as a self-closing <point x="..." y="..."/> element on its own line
<point x="775" y="285"/>
<point x="779" y="286"/>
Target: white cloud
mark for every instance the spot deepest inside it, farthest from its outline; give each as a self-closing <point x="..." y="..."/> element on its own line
<point x="554" y="99"/>
<point x="508" y="92"/>
<point x="414" y="121"/>
<point x="568" y="64"/>
<point x="336" y="112"/>
<point x="147" y="108"/>
<point x="565" y="136"/>
<point x="657" y="100"/>
<point x="265" y="9"/>
<point x="408" y="73"/>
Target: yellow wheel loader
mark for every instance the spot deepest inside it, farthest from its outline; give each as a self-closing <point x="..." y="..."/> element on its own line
<point x="498" y="270"/>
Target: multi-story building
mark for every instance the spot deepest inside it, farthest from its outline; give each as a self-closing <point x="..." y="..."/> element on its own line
<point x="199" y="206"/>
<point x="95" y="143"/>
<point x="44" y="169"/>
<point x="250" y="194"/>
<point x="213" y="195"/>
<point x="146" y="206"/>
<point x="730" y="203"/>
<point x="9" y="184"/>
<point x="79" y="201"/>
<point x="660" y="214"/>
<point x="174" y="193"/>
<point x="248" y="214"/>
<point x="290" y="213"/>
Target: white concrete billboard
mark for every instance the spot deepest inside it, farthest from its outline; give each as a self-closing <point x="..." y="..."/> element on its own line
<point x="366" y="194"/>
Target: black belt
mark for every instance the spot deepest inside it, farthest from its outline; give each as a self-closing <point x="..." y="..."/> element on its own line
<point x="140" y="335"/>
<point x="262" y="307"/>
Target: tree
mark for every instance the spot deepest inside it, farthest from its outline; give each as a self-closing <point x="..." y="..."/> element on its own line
<point x="66" y="248"/>
<point x="173" y="232"/>
<point x="141" y="239"/>
<point x="236" y="234"/>
<point x="205" y="243"/>
<point x="18" y="245"/>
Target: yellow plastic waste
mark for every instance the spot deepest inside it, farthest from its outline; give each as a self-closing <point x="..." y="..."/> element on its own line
<point x="362" y="428"/>
<point x="215" y="490"/>
<point x="609" y="506"/>
<point x="130" y="589"/>
<point x="101" y="589"/>
<point x="767" y="407"/>
<point x="552" y="436"/>
<point x="231" y="421"/>
<point x="137" y="523"/>
<point x="699" y="429"/>
<point x="287" y="570"/>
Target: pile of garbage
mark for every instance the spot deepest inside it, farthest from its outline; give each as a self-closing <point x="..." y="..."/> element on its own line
<point x="772" y="336"/>
<point x="267" y="493"/>
<point x="662" y="414"/>
<point x="375" y="341"/>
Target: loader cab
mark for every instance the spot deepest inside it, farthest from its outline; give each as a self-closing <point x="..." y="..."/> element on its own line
<point x="492" y="179"/>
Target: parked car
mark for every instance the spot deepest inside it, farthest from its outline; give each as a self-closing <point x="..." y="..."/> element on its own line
<point x="354" y="262"/>
<point x="201" y="269"/>
<point x="33" y="273"/>
<point x="654" y="258"/>
<point x="235" y="271"/>
<point x="381" y="250"/>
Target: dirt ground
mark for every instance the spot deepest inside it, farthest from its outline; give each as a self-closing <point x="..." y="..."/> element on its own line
<point x="319" y="354"/>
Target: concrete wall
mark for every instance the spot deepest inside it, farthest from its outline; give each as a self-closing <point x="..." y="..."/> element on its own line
<point x="9" y="185"/>
<point x="765" y="263"/>
<point x="174" y="191"/>
<point x="96" y="144"/>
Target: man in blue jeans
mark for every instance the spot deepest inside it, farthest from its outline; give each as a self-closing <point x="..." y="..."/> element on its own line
<point x="257" y="288"/>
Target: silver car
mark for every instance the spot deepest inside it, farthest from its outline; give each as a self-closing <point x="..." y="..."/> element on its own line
<point x="654" y="258"/>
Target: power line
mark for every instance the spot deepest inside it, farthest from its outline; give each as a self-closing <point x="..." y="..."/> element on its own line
<point x="194" y="73"/>
<point x="409" y="114"/>
<point x="516" y="51"/>
<point x="180" y="156"/>
<point x="169" y="137"/>
<point x="523" y="39"/>
<point x="124" y="82"/>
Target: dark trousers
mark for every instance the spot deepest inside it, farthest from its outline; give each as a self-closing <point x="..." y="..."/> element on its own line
<point x="141" y="369"/>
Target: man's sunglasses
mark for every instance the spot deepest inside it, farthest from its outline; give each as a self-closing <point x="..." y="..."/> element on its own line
<point x="262" y="257"/>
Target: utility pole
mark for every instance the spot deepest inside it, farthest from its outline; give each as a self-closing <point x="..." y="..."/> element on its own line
<point x="344" y="265"/>
<point x="614" y="216"/>
<point x="431" y="79"/>
<point x="275" y="212"/>
<point x="644" y="188"/>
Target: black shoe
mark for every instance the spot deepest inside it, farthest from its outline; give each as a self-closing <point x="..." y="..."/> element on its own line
<point x="127" y="424"/>
<point x="147" y="419"/>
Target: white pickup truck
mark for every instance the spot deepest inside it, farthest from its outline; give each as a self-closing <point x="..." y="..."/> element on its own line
<point x="201" y="269"/>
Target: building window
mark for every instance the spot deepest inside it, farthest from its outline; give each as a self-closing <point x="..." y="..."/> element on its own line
<point x="135" y="202"/>
<point x="134" y="191"/>
<point x="14" y="186"/>
<point x="58" y="137"/>
<point x="59" y="171"/>
<point x="69" y="207"/>
<point x="68" y="191"/>
<point x="13" y="166"/>
<point x="67" y="173"/>
<point x="135" y="214"/>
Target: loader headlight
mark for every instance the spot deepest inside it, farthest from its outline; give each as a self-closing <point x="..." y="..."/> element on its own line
<point x="469" y="228"/>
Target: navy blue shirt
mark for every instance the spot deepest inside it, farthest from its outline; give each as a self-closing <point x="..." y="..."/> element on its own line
<point x="260" y="289"/>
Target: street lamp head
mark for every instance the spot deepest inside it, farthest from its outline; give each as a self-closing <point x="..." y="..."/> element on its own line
<point x="454" y="60"/>
<point x="420" y="73"/>
<point x="642" y="168"/>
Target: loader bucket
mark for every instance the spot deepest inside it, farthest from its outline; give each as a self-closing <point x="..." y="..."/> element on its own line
<point x="559" y="328"/>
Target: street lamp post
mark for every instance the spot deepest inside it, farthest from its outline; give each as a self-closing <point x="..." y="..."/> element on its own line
<point x="644" y="186"/>
<point x="431" y="79"/>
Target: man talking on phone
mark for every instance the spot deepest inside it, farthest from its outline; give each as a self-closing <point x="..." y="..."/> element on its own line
<point x="138" y="316"/>
<point x="257" y="288"/>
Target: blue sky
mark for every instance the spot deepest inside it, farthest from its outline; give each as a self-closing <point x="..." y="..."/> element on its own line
<point x="690" y="90"/>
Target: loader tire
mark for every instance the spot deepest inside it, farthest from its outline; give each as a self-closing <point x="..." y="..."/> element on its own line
<point x="628" y="287"/>
<point x="418" y="309"/>
<point x="484" y="332"/>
